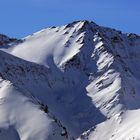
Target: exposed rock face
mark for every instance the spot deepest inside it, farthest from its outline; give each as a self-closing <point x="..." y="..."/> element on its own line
<point x="5" y="41"/>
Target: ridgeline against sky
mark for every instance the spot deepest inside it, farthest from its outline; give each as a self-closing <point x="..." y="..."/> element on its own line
<point x="20" y="18"/>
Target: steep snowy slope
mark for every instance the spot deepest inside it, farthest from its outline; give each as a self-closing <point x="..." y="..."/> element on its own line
<point x="87" y="75"/>
<point x="53" y="88"/>
<point x="22" y="115"/>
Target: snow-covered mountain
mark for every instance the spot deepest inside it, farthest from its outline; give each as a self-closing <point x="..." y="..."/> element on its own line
<point x="78" y="81"/>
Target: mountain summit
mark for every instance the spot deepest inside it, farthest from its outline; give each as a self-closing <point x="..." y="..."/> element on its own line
<point x="74" y="82"/>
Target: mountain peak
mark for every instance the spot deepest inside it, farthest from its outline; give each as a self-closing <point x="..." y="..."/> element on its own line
<point x="81" y="22"/>
<point x="84" y="21"/>
<point x="85" y="77"/>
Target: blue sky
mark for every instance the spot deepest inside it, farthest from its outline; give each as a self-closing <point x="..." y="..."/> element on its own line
<point x="20" y="18"/>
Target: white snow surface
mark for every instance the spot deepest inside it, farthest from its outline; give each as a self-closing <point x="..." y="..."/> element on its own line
<point x="21" y="115"/>
<point x="87" y="75"/>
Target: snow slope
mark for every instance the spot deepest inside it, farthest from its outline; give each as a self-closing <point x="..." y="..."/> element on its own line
<point x="87" y="75"/>
<point x="24" y="116"/>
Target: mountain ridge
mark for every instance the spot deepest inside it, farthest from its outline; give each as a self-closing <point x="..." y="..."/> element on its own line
<point x="86" y="74"/>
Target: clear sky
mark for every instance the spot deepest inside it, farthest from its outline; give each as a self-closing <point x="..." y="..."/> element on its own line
<point x="19" y="18"/>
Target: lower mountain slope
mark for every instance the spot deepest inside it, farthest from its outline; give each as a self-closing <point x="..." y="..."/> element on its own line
<point x="23" y="116"/>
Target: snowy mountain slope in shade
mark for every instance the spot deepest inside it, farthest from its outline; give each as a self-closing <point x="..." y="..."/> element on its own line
<point x="22" y="118"/>
<point x="20" y="114"/>
<point x="86" y="74"/>
<point x="50" y="89"/>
